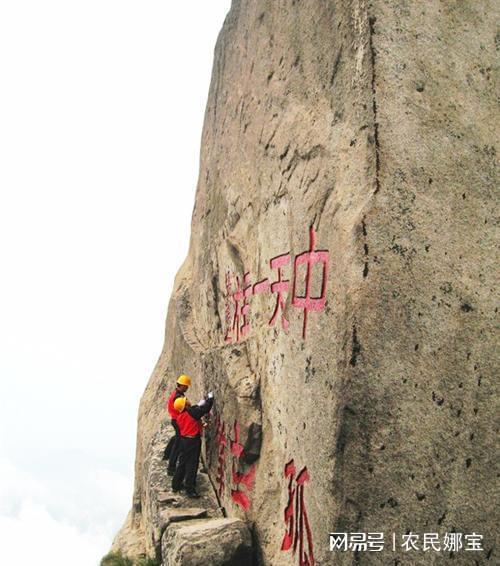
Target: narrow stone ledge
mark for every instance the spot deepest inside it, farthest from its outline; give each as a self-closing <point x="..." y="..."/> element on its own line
<point x="181" y="514"/>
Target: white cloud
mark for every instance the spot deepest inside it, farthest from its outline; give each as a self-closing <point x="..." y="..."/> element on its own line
<point x="59" y="519"/>
<point x="92" y="499"/>
<point x="101" y="110"/>
<point x="33" y="536"/>
<point x="17" y="486"/>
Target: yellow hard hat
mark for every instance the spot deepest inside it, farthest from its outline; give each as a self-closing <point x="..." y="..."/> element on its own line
<point x="184" y="380"/>
<point x="180" y="404"/>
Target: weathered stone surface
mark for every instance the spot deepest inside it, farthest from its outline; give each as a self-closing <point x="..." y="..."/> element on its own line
<point x="218" y="542"/>
<point x="375" y="123"/>
<point x="166" y="497"/>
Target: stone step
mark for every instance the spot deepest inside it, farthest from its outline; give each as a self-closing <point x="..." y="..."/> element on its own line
<point x="178" y="514"/>
<point x="166" y="497"/>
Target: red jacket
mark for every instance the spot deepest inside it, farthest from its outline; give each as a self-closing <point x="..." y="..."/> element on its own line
<point x="170" y="404"/>
<point x="189" y="420"/>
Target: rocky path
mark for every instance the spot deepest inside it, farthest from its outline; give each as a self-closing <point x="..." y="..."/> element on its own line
<point x="194" y="532"/>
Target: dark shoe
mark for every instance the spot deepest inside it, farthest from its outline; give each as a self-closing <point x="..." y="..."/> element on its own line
<point x="193" y="494"/>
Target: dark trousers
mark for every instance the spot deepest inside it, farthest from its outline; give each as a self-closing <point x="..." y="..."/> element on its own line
<point x="187" y="467"/>
<point x="173" y="447"/>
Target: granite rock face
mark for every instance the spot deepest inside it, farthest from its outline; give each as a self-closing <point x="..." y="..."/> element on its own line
<point x="338" y="295"/>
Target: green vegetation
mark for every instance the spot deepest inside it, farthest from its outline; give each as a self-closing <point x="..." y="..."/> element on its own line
<point x="147" y="562"/>
<point x="117" y="559"/>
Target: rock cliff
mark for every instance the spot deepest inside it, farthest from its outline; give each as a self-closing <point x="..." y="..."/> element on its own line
<point x="338" y="295"/>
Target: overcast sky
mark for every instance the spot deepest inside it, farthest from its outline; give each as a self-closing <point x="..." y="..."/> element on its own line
<point x="101" y="110"/>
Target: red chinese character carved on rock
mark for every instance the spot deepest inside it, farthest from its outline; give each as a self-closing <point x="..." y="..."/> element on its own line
<point x="236" y="447"/>
<point x="310" y="258"/>
<point x="295" y="515"/>
<point x="247" y="479"/>
<point x="238" y="305"/>
<point x="228" y="337"/>
<point x="238" y="479"/>
<point x="247" y="292"/>
<point x="280" y="286"/>
<point x="237" y="297"/>
<point x="239" y="324"/>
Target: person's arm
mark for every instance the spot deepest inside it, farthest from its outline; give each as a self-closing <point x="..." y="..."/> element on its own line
<point x="197" y="411"/>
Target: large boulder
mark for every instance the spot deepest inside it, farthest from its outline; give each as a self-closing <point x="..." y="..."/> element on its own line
<point x="338" y="295"/>
<point x="218" y="542"/>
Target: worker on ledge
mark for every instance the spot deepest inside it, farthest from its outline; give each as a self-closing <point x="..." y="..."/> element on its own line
<point x="190" y="426"/>
<point x="173" y="447"/>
